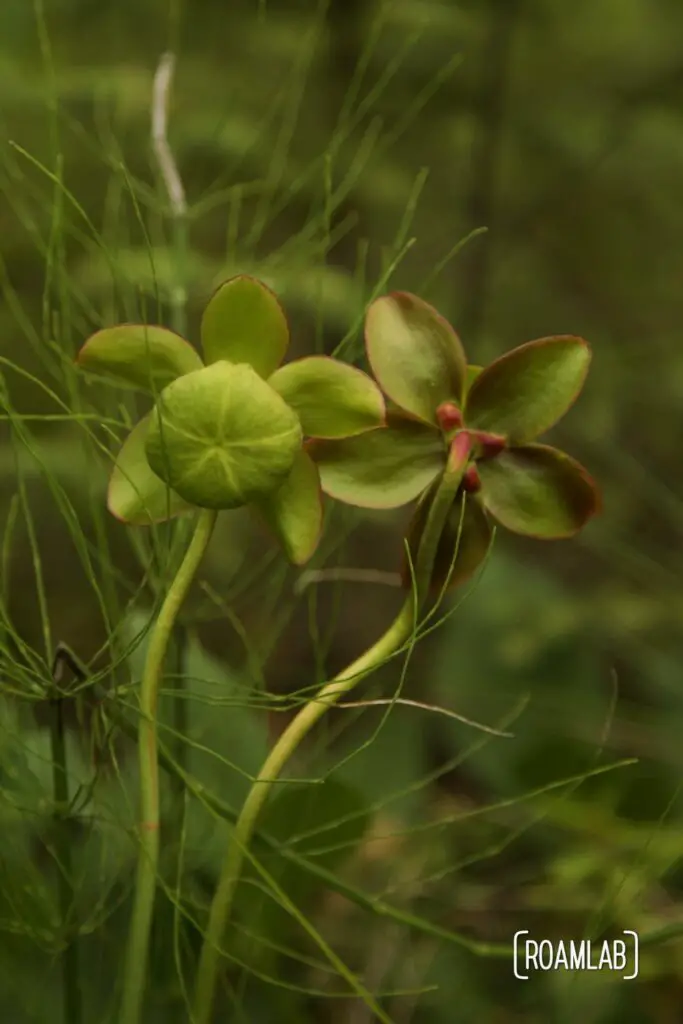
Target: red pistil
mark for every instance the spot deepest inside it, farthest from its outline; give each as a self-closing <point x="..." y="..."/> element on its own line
<point x="460" y="449"/>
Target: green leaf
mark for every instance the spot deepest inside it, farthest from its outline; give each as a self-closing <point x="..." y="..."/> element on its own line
<point x="245" y="323"/>
<point x="538" y="491"/>
<point x="330" y="398"/>
<point x="221" y="437"/>
<point x="383" y="468"/>
<point x="294" y="512"/>
<point x="136" y="494"/>
<point x="527" y="390"/>
<point x="471" y="541"/>
<point x="415" y="355"/>
<point x="144" y="356"/>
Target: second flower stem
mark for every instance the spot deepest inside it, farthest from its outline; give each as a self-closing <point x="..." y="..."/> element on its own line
<point x="398" y="633"/>
<point x="148" y="857"/>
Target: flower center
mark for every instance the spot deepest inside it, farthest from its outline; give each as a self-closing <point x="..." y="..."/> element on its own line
<point x="485" y="444"/>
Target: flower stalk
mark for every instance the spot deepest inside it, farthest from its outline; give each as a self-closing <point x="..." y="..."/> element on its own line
<point x="290" y="740"/>
<point x="137" y="956"/>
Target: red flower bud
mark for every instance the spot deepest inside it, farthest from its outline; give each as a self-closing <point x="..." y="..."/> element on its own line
<point x="488" y="445"/>
<point x="471" y="481"/>
<point x="449" y="416"/>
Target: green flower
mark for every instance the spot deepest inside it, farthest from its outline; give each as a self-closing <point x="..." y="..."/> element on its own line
<point x="228" y="430"/>
<point x="419" y="362"/>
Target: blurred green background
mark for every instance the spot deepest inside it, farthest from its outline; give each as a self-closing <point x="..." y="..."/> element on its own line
<point x="337" y="150"/>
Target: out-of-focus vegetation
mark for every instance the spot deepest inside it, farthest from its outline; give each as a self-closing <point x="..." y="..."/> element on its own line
<point x="339" y="150"/>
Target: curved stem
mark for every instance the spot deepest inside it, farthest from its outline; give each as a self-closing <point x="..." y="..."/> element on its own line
<point x="397" y="634"/>
<point x="145" y="883"/>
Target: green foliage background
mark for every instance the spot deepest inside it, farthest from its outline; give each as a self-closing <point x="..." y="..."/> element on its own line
<point x="335" y="150"/>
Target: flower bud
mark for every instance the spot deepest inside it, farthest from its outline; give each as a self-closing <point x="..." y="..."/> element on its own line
<point x="449" y="416"/>
<point x="488" y="445"/>
<point x="471" y="481"/>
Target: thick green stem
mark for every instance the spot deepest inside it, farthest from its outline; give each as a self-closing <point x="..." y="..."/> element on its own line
<point x="397" y="634"/>
<point x="145" y="884"/>
<point x="71" y="981"/>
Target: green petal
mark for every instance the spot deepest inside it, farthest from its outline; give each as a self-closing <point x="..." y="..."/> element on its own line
<point x="245" y="323"/>
<point x="136" y="494"/>
<point x="294" y="512"/>
<point x="415" y="355"/>
<point x="472" y="546"/>
<point x="472" y="374"/>
<point x="527" y="390"/>
<point x="221" y="437"/>
<point x="147" y="357"/>
<point x="538" y="491"/>
<point x="330" y="398"/>
<point x="383" y="468"/>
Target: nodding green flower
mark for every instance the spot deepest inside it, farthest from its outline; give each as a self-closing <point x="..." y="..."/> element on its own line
<point x="420" y="364"/>
<point x="228" y="430"/>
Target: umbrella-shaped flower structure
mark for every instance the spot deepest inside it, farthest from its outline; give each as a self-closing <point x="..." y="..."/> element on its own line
<point x="419" y="362"/>
<point x="227" y="430"/>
